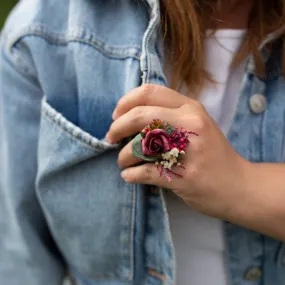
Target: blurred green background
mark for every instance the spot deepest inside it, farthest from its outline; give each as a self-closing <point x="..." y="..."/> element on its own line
<point x="5" y="9"/>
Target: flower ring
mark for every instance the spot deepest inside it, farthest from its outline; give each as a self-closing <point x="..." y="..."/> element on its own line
<point x="162" y="144"/>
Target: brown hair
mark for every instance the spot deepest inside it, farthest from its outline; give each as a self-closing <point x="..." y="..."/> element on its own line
<point x="184" y="30"/>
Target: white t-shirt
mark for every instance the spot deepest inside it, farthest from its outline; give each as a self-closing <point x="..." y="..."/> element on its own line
<point x="198" y="239"/>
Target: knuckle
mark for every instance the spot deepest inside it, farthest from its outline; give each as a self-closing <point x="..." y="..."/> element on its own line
<point x="186" y="107"/>
<point x="196" y="114"/>
<point x="197" y="147"/>
<point x="146" y="92"/>
<point x="138" y="113"/>
<point x="193" y="172"/>
<point x="147" y="88"/>
<point x="199" y="122"/>
<point x="199" y="106"/>
<point x="194" y="107"/>
<point x="185" y="113"/>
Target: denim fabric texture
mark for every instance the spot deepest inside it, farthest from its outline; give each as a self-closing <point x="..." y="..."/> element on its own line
<point x="64" y="208"/>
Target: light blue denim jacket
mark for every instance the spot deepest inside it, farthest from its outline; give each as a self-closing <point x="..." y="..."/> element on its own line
<point x="63" y="206"/>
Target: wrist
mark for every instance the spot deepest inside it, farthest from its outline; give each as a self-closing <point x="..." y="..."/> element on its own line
<point x="259" y="205"/>
<point x="238" y="192"/>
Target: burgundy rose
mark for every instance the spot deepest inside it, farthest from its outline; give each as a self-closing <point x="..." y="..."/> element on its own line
<point x="155" y="142"/>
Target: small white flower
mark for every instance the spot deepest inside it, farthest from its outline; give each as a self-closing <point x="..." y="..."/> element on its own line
<point x="182" y="152"/>
<point x="173" y="161"/>
<point x="166" y="155"/>
<point x="174" y="152"/>
<point x="168" y="164"/>
<point x="170" y="154"/>
<point x="165" y="164"/>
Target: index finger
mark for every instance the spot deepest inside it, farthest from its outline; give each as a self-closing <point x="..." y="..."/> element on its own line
<point x="150" y="95"/>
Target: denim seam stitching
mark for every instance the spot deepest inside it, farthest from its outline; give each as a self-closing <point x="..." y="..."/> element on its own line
<point x="85" y="145"/>
<point x="168" y="230"/>
<point x="262" y="129"/>
<point x="131" y="275"/>
<point x="103" y="278"/>
<point x="62" y="123"/>
<point x="77" y="36"/>
<point x="145" y="48"/>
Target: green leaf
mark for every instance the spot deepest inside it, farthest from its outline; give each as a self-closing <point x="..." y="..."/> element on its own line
<point x="137" y="149"/>
<point x="169" y="129"/>
<point x="142" y="134"/>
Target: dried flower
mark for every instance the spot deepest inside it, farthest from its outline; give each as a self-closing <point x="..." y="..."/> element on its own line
<point x="155" y="143"/>
<point x="157" y="124"/>
<point x="162" y="144"/>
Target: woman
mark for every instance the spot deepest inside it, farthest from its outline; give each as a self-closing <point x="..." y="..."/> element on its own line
<point x="69" y="78"/>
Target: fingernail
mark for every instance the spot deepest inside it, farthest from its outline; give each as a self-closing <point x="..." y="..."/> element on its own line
<point x="108" y="139"/>
<point x="114" y="114"/>
<point x="119" y="164"/>
<point x="124" y="174"/>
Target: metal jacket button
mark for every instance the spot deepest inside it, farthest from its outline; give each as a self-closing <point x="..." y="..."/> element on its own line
<point x="253" y="274"/>
<point x="257" y="103"/>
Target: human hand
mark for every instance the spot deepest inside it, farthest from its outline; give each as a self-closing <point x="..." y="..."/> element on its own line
<point x="213" y="179"/>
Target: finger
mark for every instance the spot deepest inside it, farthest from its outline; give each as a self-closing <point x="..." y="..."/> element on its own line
<point x="126" y="157"/>
<point x="150" y="95"/>
<point x="136" y="119"/>
<point x="148" y="174"/>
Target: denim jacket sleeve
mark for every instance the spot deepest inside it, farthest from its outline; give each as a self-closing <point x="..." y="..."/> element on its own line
<point x="28" y="254"/>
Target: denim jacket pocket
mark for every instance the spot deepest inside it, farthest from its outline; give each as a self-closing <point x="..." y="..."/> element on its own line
<point x="91" y="217"/>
